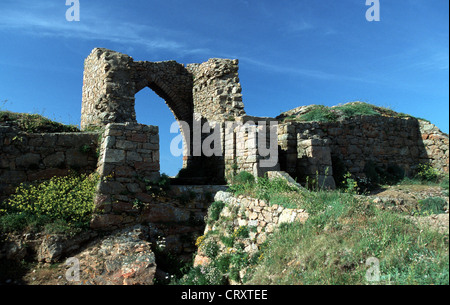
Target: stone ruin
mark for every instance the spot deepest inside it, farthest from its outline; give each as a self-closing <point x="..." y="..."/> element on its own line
<point x="209" y="92"/>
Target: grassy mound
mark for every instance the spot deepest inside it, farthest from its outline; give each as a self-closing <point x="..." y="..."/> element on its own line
<point x="320" y="113"/>
<point x="33" y="123"/>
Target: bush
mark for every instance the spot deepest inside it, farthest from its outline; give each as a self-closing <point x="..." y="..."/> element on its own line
<point x="426" y="172"/>
<point x="203" y="275"/>
<point x="210" y="248"/>
<point x="243" y="178"/>
<point x="60" y="199"/>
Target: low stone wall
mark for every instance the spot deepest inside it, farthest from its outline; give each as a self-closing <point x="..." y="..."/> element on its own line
<point x="175" y="216"/>
<point x="36" y="156"/>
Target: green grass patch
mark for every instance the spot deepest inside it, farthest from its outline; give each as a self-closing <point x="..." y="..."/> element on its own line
<point x="321" y="113"/>
<point x="356" y="109"/>
<point x="432" y="205"/>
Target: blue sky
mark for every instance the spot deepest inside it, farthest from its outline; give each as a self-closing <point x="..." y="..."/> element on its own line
<point x="291" y="53"/>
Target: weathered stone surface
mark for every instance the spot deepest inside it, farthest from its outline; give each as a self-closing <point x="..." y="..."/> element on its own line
<point x="55" y="246"/>
<point x="123" y="258"/>
<point x="27" y="160"/>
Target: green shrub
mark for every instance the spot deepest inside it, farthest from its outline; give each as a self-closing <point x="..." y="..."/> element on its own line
<point x="242" y="183"/>
<point x="210" y="248"/>
<point x="228" y="241"/>
<point x="203" y="275"/>
<point x="242" y="232"/>
<point x="68" y="199"/>
<point x="243" y="178"/>
<point x="426" y="172"/>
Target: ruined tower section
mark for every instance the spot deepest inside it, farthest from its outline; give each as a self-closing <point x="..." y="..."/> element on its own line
<point x="216" y="91"/>
<point x="108" y="89"/>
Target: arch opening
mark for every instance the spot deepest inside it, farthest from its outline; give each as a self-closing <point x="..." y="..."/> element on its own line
<point x="152" y="109"/>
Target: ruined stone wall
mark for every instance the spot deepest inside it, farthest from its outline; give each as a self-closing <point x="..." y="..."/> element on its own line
<point x="111" y="80"/>
<point x="210" y="90"/>
<point x="436" y="145"/>
<point x="216" y="89"/>
<point x="403" y="142"/>
<point x="28" y="157"/>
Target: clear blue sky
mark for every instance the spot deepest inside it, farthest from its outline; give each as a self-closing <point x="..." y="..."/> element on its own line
<point x="291" y="53"/>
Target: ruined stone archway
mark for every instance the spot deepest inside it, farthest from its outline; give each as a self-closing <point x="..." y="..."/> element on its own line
<point x="112" y="79"/>
<point x="209" y="91"/>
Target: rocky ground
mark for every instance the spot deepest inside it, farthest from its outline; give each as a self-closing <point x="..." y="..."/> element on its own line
<point x="124" y="257"/>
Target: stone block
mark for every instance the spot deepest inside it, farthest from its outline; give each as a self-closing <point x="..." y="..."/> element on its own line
<point x="54" y="160"/>
<point x="114" y="156"/>
<point x="28" y="160"/>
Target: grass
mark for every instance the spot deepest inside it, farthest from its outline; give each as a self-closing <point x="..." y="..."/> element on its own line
<point x="34" y="123"/>
<point x="275" y="191"/>
<point x="332" y="247"/>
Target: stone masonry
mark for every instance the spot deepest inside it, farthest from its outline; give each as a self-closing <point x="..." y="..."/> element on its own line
<point x="129" y="156"/>
<point x="26" y="157"/>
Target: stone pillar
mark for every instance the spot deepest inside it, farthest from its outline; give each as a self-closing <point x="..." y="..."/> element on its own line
<point x="129" y="156"/>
